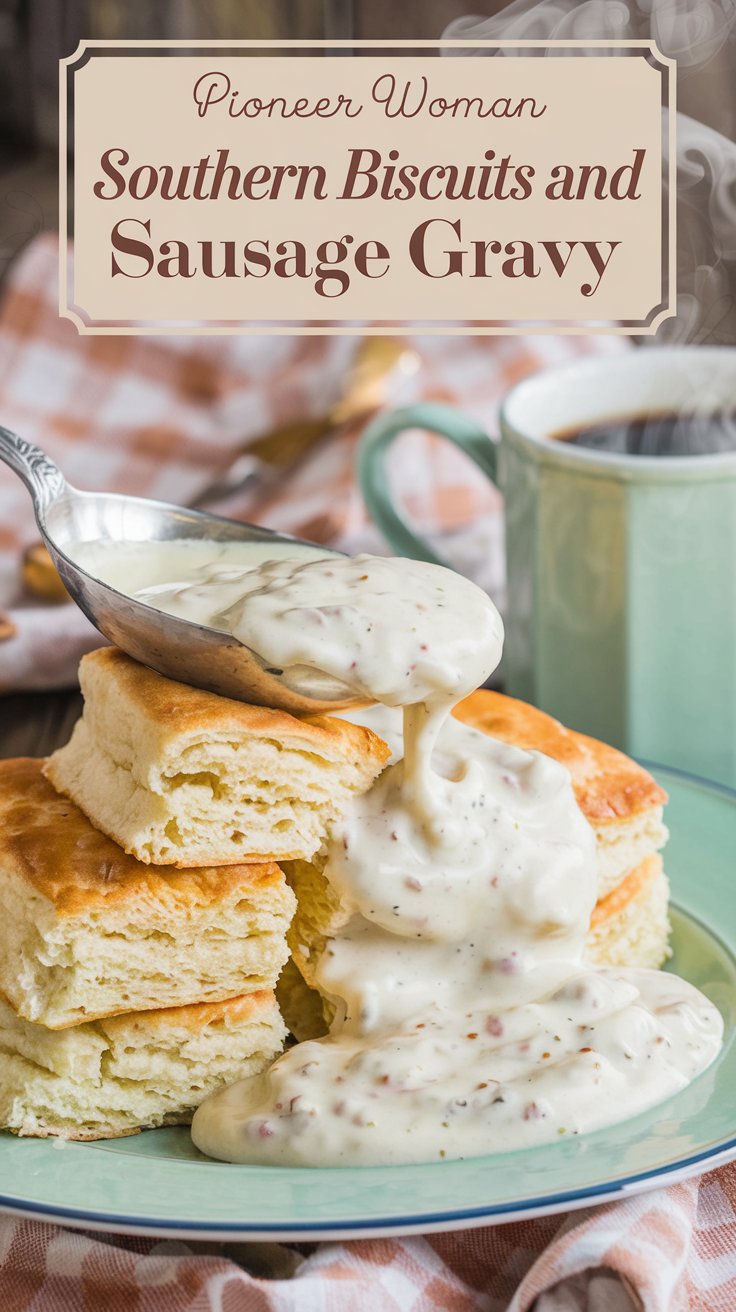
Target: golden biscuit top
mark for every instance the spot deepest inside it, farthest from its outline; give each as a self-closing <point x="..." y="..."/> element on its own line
<point x="47" y="841"/>
<point x="181" y="711"/>
<point x="608" y="785"/>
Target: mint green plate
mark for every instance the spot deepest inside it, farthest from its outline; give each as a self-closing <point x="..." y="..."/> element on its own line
<point x="158" y="1183"/>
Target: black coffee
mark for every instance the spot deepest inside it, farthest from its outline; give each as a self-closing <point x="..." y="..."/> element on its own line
<point x="659" y="435"/>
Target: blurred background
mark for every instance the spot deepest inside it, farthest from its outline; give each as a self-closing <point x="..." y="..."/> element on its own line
<point x="700" y="34"/>
<point x="35" y="34"/>
<point x="265" y="429"/>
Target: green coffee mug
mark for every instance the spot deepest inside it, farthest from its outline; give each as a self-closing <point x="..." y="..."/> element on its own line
<point x="621" y="618"/>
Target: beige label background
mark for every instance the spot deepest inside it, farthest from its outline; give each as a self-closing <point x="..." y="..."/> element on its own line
<point x="599" y="110"/>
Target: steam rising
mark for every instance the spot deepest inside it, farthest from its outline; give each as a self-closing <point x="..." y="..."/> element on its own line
<point x="706" y="238"/>
<point x="663" y="435"/>
<point x="690" y="31"/>
<point x="694" y="32"/>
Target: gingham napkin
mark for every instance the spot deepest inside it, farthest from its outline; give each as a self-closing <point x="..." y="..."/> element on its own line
<point x="673" y="1250"/>
<point x="162" y="417"/>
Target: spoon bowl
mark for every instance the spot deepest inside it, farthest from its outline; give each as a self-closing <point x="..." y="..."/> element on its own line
<point x="179" y="649"/>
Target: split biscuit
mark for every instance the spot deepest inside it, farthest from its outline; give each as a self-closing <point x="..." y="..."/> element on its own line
<point x="182" y="777"/>
<point x="319" y="916"/>
<point x="113" y="1077"/>
<point x="630" y="926"/>
<point x="306" y="1012"/>
<point x="88" y="931"/>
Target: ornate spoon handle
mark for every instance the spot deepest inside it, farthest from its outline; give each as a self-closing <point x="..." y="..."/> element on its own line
<point x="42" y="477"/>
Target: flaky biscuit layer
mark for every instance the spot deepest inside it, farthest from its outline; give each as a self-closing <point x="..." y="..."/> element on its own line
<point x="182" y="777"/>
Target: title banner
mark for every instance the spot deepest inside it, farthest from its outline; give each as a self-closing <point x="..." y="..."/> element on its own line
<point x="223" y="192"/>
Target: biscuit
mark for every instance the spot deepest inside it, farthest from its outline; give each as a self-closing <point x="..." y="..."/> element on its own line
<point x="306" y="1012"/>
<point x="182" y="777"/>
<point x="88" y="931"/>
<point x="630" y="926"/>
<point x="113" y="1077"/>
<point x="319" y="915"/>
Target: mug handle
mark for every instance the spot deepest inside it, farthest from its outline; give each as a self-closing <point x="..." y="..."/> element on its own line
<point x="371" y="467"/>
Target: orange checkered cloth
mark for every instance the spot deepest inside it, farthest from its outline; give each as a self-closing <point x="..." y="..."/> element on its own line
<point x="163" y="417"/>
<point x="672" y="1250"/>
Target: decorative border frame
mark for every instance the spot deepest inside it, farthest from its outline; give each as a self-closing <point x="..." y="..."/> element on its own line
<point x="346" y="327"/>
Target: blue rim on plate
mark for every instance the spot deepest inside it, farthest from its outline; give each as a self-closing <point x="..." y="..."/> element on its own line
<point x="157" y="1183"/>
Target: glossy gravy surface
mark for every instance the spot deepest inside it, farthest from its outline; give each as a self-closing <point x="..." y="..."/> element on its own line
<point x="157" y="572"/>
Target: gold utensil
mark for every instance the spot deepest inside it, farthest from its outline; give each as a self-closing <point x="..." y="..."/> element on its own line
<point x="364" y="391"/>
<point x="40" y="577"/>
<point x="7" y="627"/>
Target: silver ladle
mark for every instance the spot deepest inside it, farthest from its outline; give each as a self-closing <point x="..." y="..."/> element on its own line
<point x="191" y="653"/>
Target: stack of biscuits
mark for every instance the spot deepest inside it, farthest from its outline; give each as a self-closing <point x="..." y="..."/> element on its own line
<point x="144" y="916"/>
<point x="157" y="872"/>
